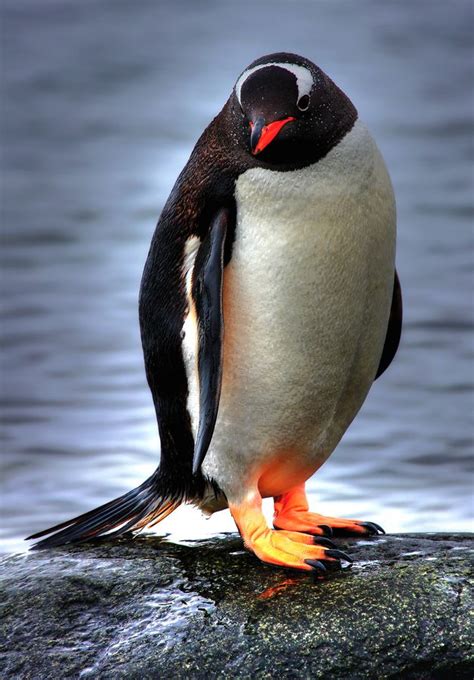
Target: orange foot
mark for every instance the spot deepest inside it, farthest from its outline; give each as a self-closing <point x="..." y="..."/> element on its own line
<point x="283" y="548"/>
<point x="291" y="513"/>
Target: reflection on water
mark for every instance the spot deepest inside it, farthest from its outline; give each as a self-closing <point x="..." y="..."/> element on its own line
<point x="105" y="101"/>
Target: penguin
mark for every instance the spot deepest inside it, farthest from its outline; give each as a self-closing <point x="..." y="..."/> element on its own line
<point x="269" y="305"/>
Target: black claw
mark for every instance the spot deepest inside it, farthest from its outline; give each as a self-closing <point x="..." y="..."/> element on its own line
<point x="333" y="565"/>
<point x="319" y="540"/>
<point x="316" y="564"/>
<point x="339" y="555"/>
<point x="371" y="527"/>
<point x="341" y="532"/>
<point x="346" y="567"/>
<point x="326" y="529"/>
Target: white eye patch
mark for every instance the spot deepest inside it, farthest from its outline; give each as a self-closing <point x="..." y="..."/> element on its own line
<point x="304" y="78"/>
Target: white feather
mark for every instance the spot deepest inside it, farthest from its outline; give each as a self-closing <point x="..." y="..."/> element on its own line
<point x="190" y="334"/>
<point x="304" y="78"/>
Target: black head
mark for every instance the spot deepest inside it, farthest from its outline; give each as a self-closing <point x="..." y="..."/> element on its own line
<point x="287" y="112"/>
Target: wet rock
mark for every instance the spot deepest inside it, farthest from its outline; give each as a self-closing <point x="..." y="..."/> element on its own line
<point x="146" y="608"/>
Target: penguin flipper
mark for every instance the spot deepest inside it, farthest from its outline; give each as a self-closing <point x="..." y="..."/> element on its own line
<point x="208" y="277"/>
<point x="394" y="329"/>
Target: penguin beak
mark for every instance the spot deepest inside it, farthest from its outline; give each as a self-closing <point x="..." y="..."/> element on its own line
<point x="261" y="134"/>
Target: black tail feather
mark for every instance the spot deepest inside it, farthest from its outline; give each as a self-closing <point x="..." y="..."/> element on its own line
<point x="149" y="502"/>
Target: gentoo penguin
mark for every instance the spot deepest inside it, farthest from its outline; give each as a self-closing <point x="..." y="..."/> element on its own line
<point x="268" y="306"/>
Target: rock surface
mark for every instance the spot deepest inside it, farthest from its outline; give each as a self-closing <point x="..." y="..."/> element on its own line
<point x="147" y="608"/>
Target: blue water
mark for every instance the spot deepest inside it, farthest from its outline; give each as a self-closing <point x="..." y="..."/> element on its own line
<point x="102" y="103"/>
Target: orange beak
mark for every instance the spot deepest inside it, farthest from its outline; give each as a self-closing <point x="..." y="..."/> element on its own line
<point x="261" y="135"/>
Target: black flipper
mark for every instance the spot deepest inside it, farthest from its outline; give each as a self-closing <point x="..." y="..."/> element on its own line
<point x="150" y="502"/>
<point x="394" y="329"/>
<point x="207" y="297"/>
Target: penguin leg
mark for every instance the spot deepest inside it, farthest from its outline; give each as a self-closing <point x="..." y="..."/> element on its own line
<point x="282" y="548"/>
<point x="292" y="514"/>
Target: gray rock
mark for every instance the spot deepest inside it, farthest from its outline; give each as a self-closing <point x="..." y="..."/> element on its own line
<point x="146" y="608"/>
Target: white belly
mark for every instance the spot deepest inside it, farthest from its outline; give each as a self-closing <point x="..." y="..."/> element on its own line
<point x="306" y="303"/>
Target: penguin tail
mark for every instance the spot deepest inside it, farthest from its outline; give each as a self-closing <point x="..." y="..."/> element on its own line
<point x="147" y="504"/>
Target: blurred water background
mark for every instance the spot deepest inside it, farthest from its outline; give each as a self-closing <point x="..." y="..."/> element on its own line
<point x="102" y="103"/>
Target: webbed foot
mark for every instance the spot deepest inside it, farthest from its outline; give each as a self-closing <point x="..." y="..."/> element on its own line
<point x="284" y="548"/>
<point x="292" y="514"/>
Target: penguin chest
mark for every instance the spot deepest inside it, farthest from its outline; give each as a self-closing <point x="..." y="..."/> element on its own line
<point x="306" y="302"/>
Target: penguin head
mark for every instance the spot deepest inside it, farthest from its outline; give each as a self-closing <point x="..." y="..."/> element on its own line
<point x="288" y="112"/>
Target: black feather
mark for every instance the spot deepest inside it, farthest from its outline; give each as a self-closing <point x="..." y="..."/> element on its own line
<point x="146" y="502"/>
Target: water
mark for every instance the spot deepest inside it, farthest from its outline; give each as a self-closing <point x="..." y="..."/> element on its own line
<point x="105" y="100"/>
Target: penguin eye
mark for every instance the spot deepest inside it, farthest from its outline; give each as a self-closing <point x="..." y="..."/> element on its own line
<point x="303" y="102"/>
